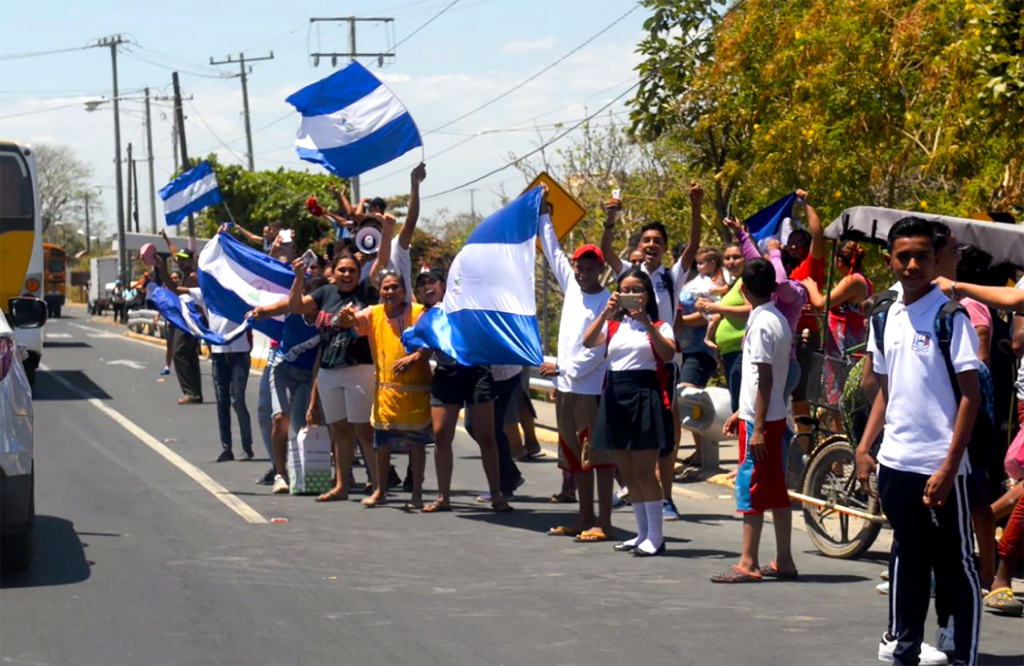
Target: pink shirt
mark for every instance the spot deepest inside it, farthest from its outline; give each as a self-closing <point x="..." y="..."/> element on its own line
<point x="981" y="316"/>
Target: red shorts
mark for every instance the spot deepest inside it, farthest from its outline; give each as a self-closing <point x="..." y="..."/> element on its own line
<point x="761" y="485"/>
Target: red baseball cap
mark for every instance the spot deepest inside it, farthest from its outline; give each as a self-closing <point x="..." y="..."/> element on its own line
<point x="583" y="250"/>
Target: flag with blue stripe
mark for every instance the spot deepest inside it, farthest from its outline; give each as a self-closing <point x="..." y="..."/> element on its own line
<point x="489" y="313"/>
<point x="234" y="279"/>
<point x="189" y="193"/>
<point x="183" y="314"/>
<point x="351" y="123"/>
<point x="772" y="222"/>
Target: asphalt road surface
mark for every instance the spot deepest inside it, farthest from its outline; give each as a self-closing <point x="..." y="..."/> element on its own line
<point x="141" y="558"/>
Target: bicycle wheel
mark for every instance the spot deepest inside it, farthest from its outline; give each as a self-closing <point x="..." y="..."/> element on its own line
<point x="832" y="476"/>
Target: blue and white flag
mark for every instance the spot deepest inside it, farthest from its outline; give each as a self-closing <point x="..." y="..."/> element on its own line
<point x="351" y="123"/>
<point x="189" y="193"/>
<point x="183" y="314"/>
<point x="773" y="222"/>
<point x="235" y="278"/>
<point x="489" y="313"/>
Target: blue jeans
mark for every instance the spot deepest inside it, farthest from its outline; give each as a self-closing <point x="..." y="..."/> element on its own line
<point x="733" y="366"/>
<point x="230" y="377"/>
<point x="264" y="406"/>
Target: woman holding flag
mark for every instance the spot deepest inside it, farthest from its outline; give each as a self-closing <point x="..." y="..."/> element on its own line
<point x="345" y="379"/>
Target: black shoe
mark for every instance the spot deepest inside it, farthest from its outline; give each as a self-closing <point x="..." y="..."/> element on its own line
<point x="267" y="479"/>
<point x="247" y="456"/>
<point x="623" y="548"/>
<point x="394" y="481"/>
<point x="643" y="553"/>
<point x="225" y="456"/>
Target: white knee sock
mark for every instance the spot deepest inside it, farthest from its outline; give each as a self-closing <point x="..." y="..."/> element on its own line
<point x="641" y="524"/>
<point x="654" y="534"/>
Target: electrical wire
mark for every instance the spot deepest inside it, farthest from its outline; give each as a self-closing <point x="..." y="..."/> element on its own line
<point x="36" y="54"/>
<point x="429" y="21"/>
<point x="538" y="74"/>
<point x="135" y="56"/>
<point x="52" y="108"/>
<point x="539" y="148"/>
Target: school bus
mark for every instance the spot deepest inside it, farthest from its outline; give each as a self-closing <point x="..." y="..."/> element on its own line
<point x="21" y="240"/>
<point x="54" y="277"/>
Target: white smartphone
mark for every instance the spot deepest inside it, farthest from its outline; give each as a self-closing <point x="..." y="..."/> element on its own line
<point x="308" y="257"/>
<point x="617" y="194"/>
<point x="286" y="235"/>
<point x="629" y="302"/>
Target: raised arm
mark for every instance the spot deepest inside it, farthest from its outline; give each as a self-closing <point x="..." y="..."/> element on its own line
<point x="299" y="303"/>
<point x="255" y="239"/>
<point x="693" y="243"/>
<point x="612" y="208"/>
<point x="340" y="196"/>
<point x="170" y="246"/>
<point x="560" y="265"/>
<point x="418" y="175"/>
<point x="814" y="222"/>
<point x="383" y="258"/>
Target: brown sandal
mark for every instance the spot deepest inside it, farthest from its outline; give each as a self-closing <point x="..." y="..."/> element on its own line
<point x="437" y="507"/>
<point x="333" y="495"/>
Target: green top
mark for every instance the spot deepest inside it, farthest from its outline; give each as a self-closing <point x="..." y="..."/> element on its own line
<point x="729" y="334"/>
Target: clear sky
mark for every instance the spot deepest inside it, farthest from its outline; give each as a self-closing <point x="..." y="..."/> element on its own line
<point x="469" y="55"/>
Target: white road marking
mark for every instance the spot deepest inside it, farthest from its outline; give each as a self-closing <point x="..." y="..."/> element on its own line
<point x="134" y="365"/>
<point x="199" y="476"/>
<point x="55" y="336"/>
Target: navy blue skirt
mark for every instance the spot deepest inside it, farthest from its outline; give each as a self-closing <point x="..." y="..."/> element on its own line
<point x="631" y="415"/>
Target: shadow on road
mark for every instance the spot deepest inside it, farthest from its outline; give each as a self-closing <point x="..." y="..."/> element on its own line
<point x="59" y="557"/>
<point x="55" y="344"/>
<point x="1000" y="659"/>
<point x="48" y="388"/>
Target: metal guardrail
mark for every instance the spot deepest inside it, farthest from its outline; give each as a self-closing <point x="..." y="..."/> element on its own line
<point x="141" y="321"/>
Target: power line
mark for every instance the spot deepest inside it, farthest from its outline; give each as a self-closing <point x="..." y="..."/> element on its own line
<point x="135" y="56"/>
<point x="36" y="54"/>
<point x="31" y="113"/>
<point x="429" y="21"/>
<point x="539" y="148"/>
<point x="549" y="67"/>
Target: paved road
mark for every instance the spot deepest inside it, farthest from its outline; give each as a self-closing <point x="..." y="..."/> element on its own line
<point x="137" y="563"/>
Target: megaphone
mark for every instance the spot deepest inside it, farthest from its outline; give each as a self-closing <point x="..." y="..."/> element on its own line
<point x="367" y="239"/>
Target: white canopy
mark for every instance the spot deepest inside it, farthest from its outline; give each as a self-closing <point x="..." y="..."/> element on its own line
<point x="1005" y="242"/>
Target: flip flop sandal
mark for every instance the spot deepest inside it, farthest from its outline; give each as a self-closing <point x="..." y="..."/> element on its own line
<point x="410" y="507"/>
<point x="333" y="496"/>
<point x="772" y="571"/>
<point x="562" y="498"/>
<point x="370" y="504"/>
<point x="591" y="536"/>
<point x="437" y="507"/>
<point x="736" y="575"/>
<point x="502" y="507"/>
<point x="1003" y="601"/>
<point x="563" y="531"/>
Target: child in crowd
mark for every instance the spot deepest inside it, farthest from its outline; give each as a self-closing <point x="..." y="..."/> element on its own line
<point x="761" y="421"/>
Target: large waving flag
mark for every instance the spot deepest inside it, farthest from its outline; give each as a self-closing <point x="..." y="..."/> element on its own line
<point x="772" y="222"/>
<point x="182" y="313"/>
<point x="189" y="193"/>
<point x="351" y="123"/>
<point x="235" y="278"/>
<point x="489" y="313"/>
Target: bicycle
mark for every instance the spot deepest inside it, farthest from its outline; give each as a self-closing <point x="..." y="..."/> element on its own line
<point x="842" y="520"/>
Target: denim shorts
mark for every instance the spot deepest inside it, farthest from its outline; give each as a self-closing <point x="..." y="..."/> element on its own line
<point x="289" y="385"/>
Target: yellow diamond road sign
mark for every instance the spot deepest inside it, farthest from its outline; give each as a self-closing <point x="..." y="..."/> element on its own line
<point x="566" y="212"/>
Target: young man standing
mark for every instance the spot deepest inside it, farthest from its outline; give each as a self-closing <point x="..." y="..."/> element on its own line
<point x="579" y="380"/>
<point x="186" y="347"/>
<point x="761" y="420"/>
<point x="921" y="464"/>
<point x="667" y="284"/>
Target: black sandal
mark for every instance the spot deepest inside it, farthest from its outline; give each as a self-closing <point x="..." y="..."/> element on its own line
<point x="502" y="507"/>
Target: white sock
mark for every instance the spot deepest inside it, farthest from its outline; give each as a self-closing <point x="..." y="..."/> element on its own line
<point x="654" y="522"/>
<point x="641" y="524"/>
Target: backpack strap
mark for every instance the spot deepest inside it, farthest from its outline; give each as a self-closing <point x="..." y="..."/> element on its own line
<point x="666" y="281"/>
<point x="944" y="335"/>
<point x="661" y="370"/>
<point x="880" y="313"/>
<point x="613" y="327"/>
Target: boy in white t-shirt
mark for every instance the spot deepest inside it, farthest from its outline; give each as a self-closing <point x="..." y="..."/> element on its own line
<point x="921" y="464"/>
<point x="761" y="421"/>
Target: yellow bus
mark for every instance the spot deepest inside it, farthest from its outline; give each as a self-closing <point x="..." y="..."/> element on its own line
<point x="21" y="240"/>
<point x="55" y="277"/>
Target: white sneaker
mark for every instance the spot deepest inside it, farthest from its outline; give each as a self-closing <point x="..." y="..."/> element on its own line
<point x="280" y="485"/>
<point x="944" y="638"/>
<point x="929" y="655"/>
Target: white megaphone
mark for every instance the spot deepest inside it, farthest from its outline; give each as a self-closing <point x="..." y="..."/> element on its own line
<point x="367" y="239"/>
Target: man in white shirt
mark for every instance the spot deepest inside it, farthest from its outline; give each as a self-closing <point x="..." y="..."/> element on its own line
<point x="761" y="420"/>
<point x="921" y="465"/>
<point x="579" y="378"/>
<point x="231" y="365"/>
<point x="667" y="282"/>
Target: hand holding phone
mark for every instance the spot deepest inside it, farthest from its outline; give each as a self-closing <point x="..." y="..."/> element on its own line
<point x="617" y="194"/>
<point x="630" y="302"/>
<point x="308" y="258"/>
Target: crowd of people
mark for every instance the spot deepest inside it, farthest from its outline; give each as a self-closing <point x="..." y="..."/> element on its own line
<point x="749" y="311"/>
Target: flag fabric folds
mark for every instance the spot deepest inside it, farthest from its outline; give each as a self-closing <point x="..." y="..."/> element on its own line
<point x="182" y="313"/>
<point x="351" y="123"/>
<point x="489" y="313"/>
<point x="773" y="222"/>
<point x="189" y="193"/>
<point x="235" y="278"/>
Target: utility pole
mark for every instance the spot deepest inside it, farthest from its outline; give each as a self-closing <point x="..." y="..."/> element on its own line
<point x="174" y="139"/>
<point x="122" y="252"/>
<point x="243" y="74"/>
<point x="88" y="231"/>
<point x="135" y="178"/>
<point x="152" y="178"/>
<point x="179" y="117"/>
<point x="352" y="54"/>
<point x="131" y="172"/>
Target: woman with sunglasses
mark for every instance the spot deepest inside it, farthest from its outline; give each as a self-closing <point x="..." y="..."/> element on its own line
<point x="634" y="415"/>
